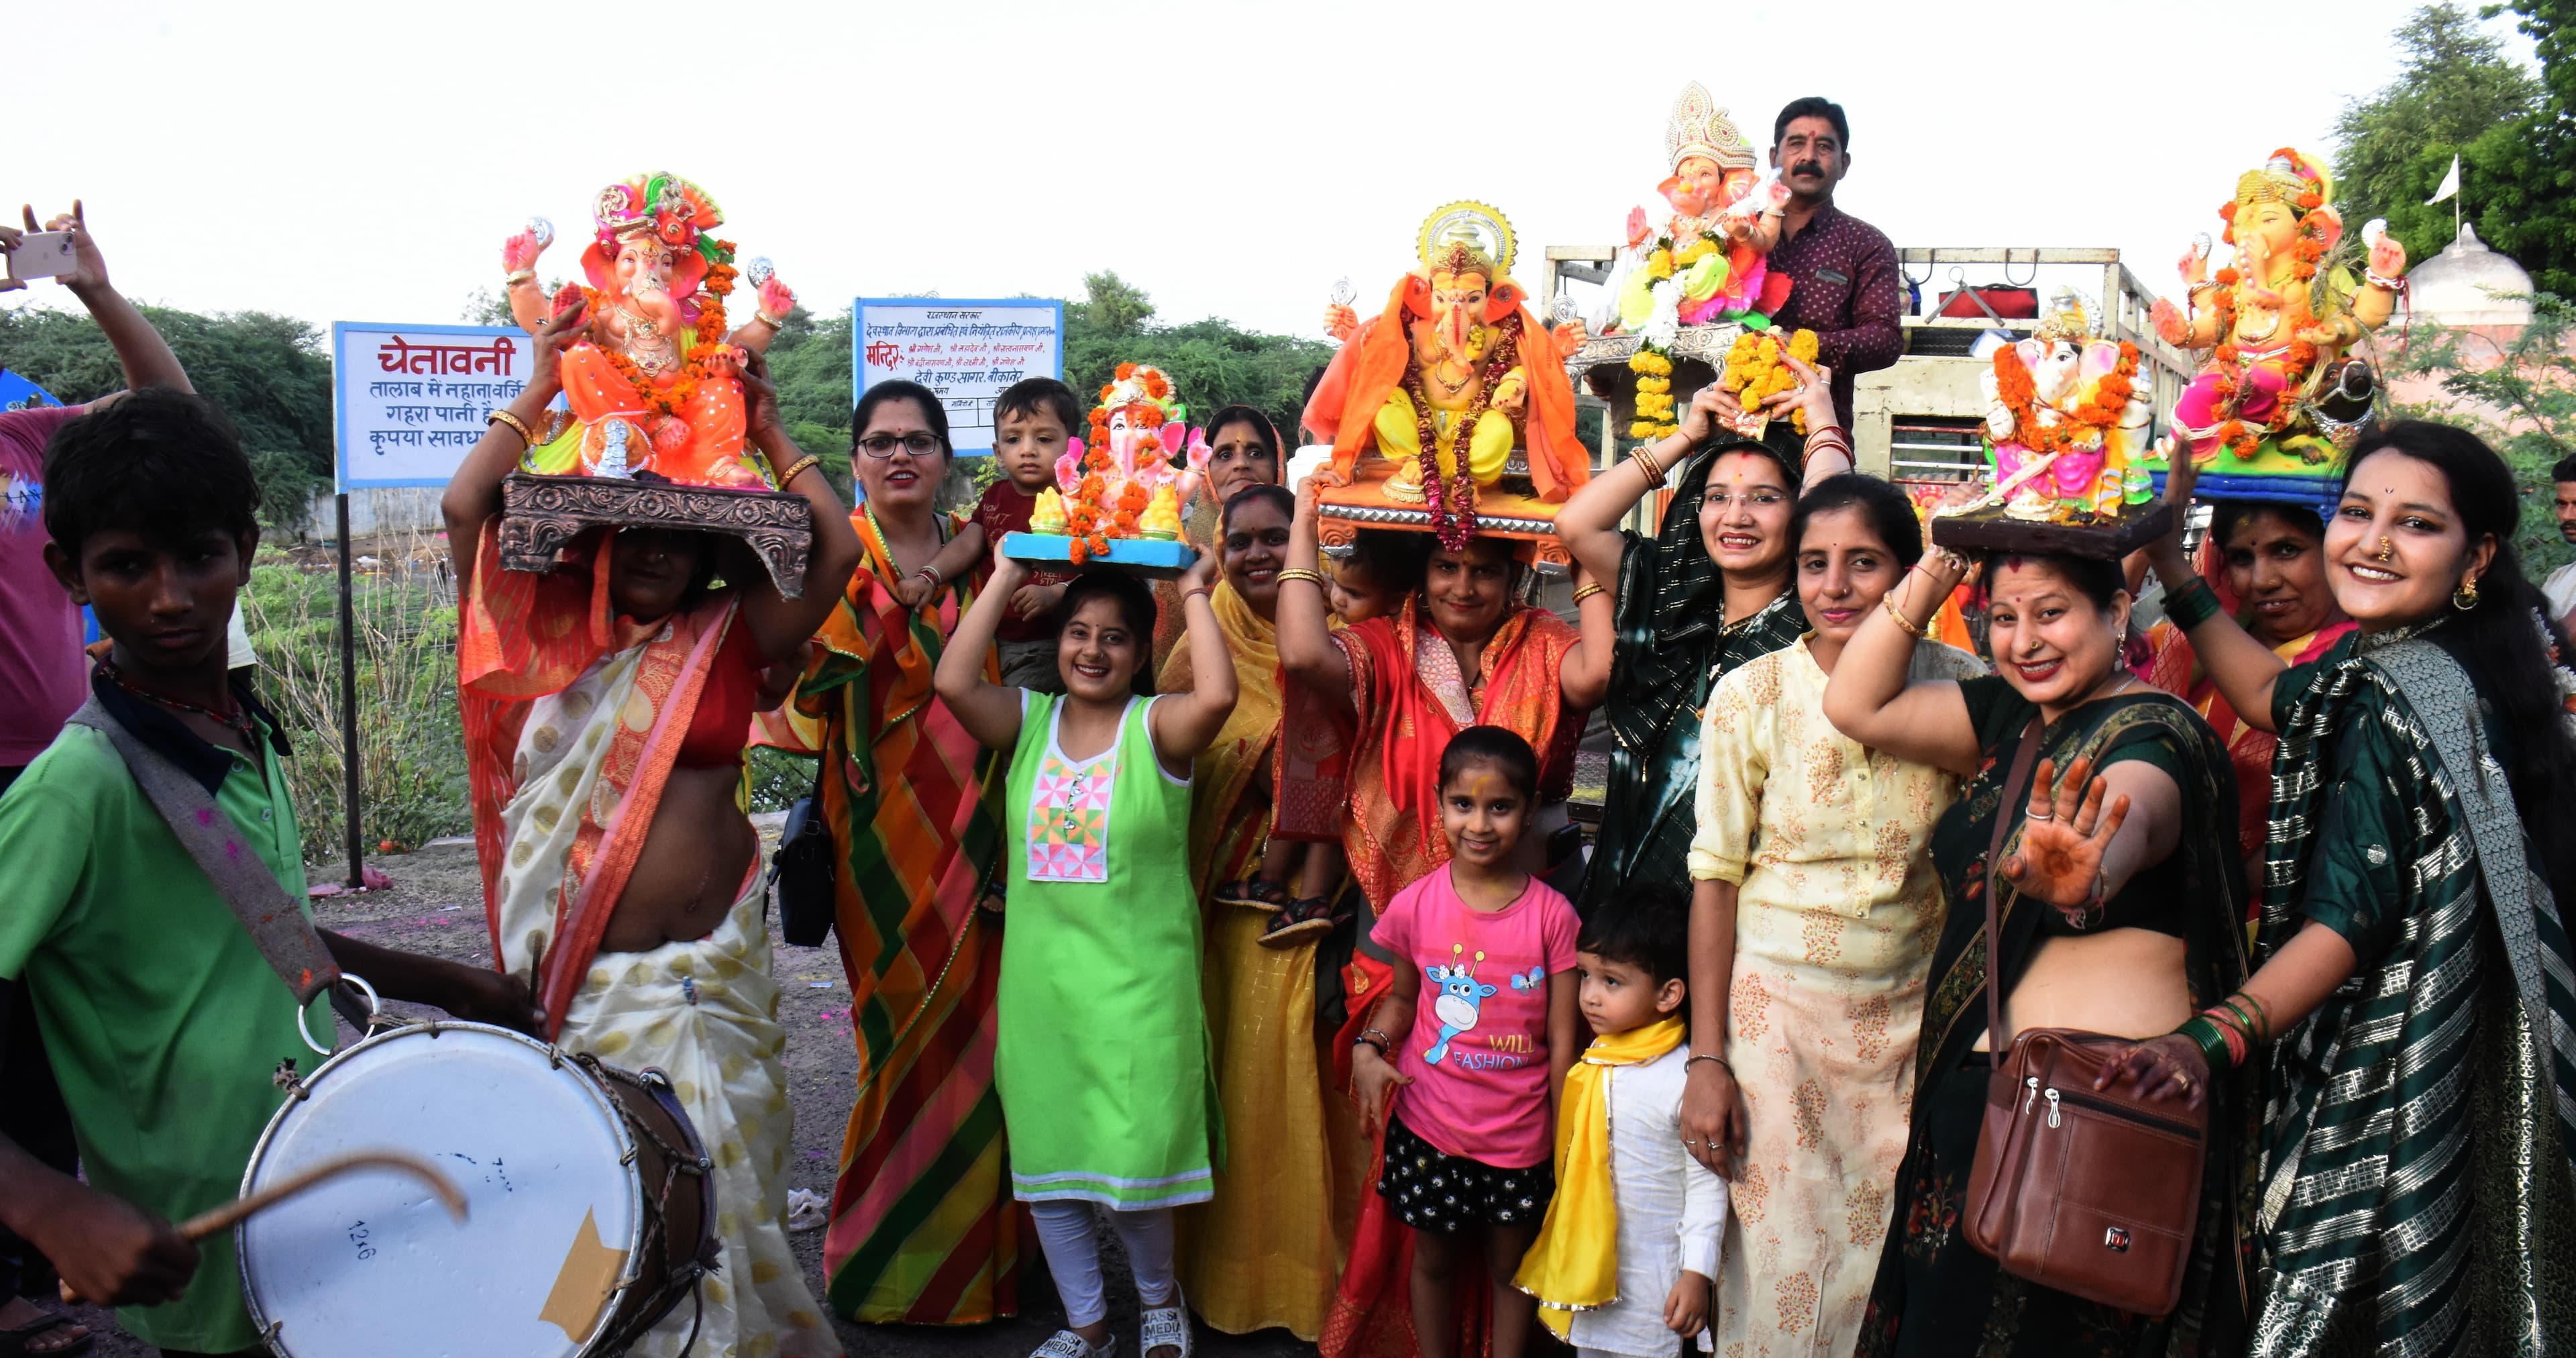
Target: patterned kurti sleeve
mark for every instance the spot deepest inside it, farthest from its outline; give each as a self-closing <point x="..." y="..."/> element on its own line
<point x="1733" y="764"/>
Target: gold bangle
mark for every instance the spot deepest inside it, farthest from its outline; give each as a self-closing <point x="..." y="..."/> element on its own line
<point x="1301" y="573"/>
<point x="526" y="435"/>
<point x="1889" y="603"/>
<point x="520" y="276"/>
<point x="1595" y="587"/>
<point x="1198" y="592"/>
<point x="1656" y="472"/>
<point x="768" y="320"/>
<point x="794" y="469"/>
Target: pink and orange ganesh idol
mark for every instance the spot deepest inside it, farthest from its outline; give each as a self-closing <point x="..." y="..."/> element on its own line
<point x="654" y="386"/>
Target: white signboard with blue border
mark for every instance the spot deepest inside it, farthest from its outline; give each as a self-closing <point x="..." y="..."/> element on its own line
<point x="968" y="351"/>
<point x="409" y="401"/>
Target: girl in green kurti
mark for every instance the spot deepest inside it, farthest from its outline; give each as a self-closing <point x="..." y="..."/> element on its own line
<point x="1101" y="1054"/>
<point x="2415" y="1190"/>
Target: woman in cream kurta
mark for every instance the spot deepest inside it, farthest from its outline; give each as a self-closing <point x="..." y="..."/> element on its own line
<point x="1836" y="913"/>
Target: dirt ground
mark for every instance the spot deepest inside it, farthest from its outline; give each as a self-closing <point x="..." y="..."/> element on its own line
<point x="434" y="906"/>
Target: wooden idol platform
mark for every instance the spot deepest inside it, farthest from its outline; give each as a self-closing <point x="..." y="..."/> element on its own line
<point x="1508" y="509"/>
<point x="540" y="514"/>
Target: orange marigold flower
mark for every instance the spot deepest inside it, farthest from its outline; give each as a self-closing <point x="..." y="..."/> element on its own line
<point x="1156" y="387"/>
<point x="1126" y="371"/>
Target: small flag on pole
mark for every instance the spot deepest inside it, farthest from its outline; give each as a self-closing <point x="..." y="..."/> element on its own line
<point x="2450" y="184"/>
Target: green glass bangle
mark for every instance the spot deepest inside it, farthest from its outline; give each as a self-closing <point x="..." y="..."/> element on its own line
<point x="2204" y="1034"/>
<point x="2192" y="605"/>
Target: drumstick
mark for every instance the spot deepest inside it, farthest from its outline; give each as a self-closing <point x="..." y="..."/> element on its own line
<point x="232" y="1214"/>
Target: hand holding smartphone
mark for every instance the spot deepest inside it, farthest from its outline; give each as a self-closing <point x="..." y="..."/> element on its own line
<point x="42" y="254"/>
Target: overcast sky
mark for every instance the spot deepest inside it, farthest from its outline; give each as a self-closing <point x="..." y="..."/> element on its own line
<point x="364" y="161"/>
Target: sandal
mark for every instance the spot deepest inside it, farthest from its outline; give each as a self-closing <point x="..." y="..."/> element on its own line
<point x="1067" y="1344"/>
<point x="989" y="903"/>
<point x="1301" y="923"/>
<point x="1165" y="1327"/>
<point x="13" y="1343"/>
<point x="1253" y="893"/>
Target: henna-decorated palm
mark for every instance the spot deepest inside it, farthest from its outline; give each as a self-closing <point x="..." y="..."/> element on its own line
<point x="2064" y="837"/>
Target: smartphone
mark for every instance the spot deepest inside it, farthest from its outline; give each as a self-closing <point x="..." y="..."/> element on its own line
<point x="42" y="254"/>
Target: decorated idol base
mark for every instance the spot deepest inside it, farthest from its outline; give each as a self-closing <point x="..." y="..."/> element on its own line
<point x="1153" y="558"/>
<point x="2086" y="534"/>
<point x="541" y="514"/>
<point x="2320" y="493"/>
<point x="1507" y="509"/>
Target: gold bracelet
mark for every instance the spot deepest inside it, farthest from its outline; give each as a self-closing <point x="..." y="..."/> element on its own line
<point x="1656" y="472"/>
<point x="1198" y="592"/>
<point x="1889" y="603"/>
<point x="794" y="469"/>
<point x="1301" y="573"/>
<point x="1595" y="587"/>
<point x="520" y="276"/>
<point x="768" y="320"/>
<point x="526" y="435"/>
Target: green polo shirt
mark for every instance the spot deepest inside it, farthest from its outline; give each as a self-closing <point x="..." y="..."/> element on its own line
<point x="163" y="1021"/>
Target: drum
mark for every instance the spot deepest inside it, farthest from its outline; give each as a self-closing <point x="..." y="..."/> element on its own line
<point x="591" y="1210"/>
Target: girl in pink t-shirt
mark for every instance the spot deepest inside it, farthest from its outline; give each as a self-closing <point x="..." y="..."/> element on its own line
<point x="1468" y="1096"/>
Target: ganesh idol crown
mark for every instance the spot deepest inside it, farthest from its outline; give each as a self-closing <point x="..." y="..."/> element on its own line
<point x="1449" y="411"/>
<point x="652" y="384"/>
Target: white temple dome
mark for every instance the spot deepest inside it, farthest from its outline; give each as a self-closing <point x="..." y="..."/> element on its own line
<point x="2469" y="284"/>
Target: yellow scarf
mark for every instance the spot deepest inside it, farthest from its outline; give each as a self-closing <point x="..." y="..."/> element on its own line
<point x="1574" y="1265"/>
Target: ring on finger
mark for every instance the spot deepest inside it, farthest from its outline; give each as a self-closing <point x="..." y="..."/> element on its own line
<point x="2042" y="815"/>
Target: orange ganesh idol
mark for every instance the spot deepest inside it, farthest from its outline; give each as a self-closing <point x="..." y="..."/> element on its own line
<point x="653" y="388"/>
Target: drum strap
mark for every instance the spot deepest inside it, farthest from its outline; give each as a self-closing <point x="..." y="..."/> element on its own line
<point x="276" y="923"/>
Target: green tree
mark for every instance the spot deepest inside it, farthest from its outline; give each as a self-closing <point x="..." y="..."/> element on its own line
<point x="2521" y="400"/>
<point x="1211" y="361"/>
<point x="2454" y="83"/>
<point x="270" y="373"/>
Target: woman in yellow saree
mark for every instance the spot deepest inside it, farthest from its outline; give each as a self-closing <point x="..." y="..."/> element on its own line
<point x="1265" y="1252"/>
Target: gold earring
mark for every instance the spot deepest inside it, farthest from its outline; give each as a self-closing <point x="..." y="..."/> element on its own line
<point x="2465" y="598"/>
<point x="2387" y="549"/>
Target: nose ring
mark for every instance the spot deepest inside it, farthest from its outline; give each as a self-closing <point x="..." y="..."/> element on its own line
<point x="2387" y="549"/>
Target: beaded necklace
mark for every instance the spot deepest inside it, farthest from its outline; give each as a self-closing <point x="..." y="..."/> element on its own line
<point x="236" y="720"/>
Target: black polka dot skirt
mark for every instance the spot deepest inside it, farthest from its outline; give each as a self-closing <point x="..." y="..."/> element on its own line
<point x="1435" y="1191"/>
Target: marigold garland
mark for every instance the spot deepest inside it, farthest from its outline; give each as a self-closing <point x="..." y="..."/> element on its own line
<point x="1654" y="371"/>
<point x="2081" y="427"/>
<point x="1754" y="370"/>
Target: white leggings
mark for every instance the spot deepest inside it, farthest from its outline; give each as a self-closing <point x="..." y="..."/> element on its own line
<point x="1071" y="1239"/>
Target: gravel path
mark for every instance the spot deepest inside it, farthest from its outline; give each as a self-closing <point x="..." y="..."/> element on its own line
<point x="434" y="906"/>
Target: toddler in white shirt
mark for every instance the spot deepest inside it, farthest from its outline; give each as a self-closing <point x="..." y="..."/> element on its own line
<point x="1627" y="1257"/>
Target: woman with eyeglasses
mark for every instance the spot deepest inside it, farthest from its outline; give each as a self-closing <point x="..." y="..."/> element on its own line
<point x="1708" y="592"/>
<point x="2414" y="1007"/>
<point x="914" y="807"/>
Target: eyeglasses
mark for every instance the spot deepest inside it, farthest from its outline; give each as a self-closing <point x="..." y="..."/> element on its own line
<point x="1750" y="500"/>
<point x="919" y="444"/>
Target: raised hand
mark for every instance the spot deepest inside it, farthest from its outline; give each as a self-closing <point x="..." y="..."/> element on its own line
<point x="776" y="298"/>
<point x="520" y="252"/>
<point x="2171" y="325"/>
<point x="1340" y="321"/>
<point x="2388" y="257"/>
<point x="567" y="327"/>
<point x="1570" y="338"/>
<point x="2193" y="266"/>
<point x="1709" y="406"/>
<point x="2064" y="835"/>
<point x="1814" y="394"/>
<point x="89" y="267"/>
<point x="759" y="396"/>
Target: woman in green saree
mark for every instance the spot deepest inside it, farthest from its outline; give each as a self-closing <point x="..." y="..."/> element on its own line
<point x="1707" y="593"/>
<point x="2415" y="1188"/>
<point x="2121" y="913"/>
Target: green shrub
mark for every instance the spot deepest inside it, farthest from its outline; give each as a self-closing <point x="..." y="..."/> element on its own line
<point x="411" y="738"/>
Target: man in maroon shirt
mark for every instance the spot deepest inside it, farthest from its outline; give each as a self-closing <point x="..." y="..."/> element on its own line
<point x="1843" y="270"/>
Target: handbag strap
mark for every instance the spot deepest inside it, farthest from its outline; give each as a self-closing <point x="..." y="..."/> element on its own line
<point x="2016" y="785"/>
<point x="275" y="922"/>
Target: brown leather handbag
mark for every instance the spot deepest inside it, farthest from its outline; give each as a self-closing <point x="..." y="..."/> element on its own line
<point x="2092" y="1192"/>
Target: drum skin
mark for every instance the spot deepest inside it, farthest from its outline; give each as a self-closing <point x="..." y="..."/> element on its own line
<point x="556" y="1187"/>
